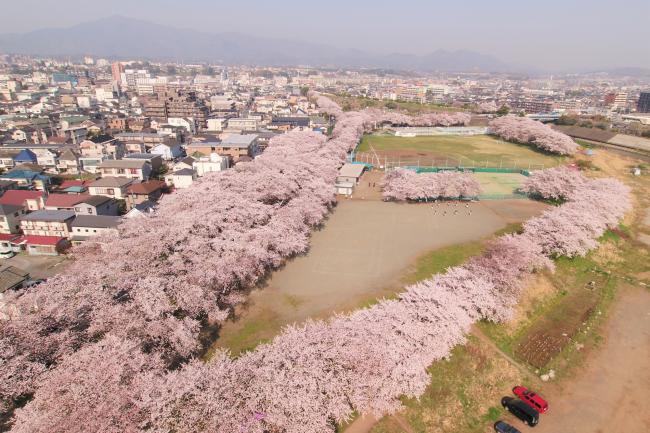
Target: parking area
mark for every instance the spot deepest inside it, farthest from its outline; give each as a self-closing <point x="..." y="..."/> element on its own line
<point x="37" y="266"/>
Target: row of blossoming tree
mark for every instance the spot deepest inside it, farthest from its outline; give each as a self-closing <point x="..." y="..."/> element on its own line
<point x="112" y="343"/>
<point x="403" y="184"/>
<point x="528" y="131"/>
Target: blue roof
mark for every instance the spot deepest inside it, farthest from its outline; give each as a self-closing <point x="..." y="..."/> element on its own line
<point x="25" y="155"/>
<point x="25" y="174"/>
<point x="75" y="189"/>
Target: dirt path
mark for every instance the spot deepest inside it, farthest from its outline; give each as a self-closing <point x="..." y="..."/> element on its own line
<point x="609" y="394"/>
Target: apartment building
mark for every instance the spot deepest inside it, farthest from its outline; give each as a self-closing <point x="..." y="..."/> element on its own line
<point x="48" y="223"/>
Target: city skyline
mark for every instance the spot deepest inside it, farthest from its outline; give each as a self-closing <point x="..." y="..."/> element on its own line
<point x="578" y="36"/>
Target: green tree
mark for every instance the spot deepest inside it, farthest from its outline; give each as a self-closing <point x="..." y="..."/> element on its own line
<point x="503" y="111"/>
<point x="304" y="90"/>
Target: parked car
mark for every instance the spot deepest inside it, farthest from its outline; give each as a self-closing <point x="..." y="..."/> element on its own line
<point x="504" y="427"/>
<point x="531" y="399"/>
<point x="521" y="410"/>
<point x="32" y="283"/>
<point x="7" y="254"/>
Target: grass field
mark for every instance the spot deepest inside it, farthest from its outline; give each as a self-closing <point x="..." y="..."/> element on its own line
<point x="353" y="103"/>
<point x="572" y="303"/>
<point x="478" y="150"/>
<point x="500" y="183"/>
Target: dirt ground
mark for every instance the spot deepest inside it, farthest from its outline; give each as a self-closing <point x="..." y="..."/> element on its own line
<point x="37" y="266"/>
<point x="359" y="256"/>
<point x="608" y="395"/>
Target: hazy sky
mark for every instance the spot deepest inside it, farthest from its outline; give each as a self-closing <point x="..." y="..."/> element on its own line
<point x="557" y="34"/>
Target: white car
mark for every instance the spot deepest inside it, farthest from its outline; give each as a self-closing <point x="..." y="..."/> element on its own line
<point x="7" y="254"/>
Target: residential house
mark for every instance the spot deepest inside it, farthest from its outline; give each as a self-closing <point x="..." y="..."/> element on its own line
<point x="140" y="210"/>
<point x="187" y="162"/>
<point x="44" y="245"/>
<point x="75" y="134"/>
<point x="97" y="205"/>
<point x="90" y="164"/>
<point x="155" y="161"/>
<point x="168" y="151"/>
<point x="213" y="163"/>
<point x="236" y="146"/>
<point x="114" y="187"/>
<point x="64" y="201"/>
<point x="68" y="162"/>
<point x="6" y="185"/>
<point x="181" y="178"/>
<point x="117" y="123"/>
<point x="28" y="178"/>
<point x="7" y="158"/>
<point x="73" y="186"/>
<point x="29" y="200"/>
<point x="144" y="191"/>
<point x="48" y="223"/>
<point x="202" y="148"/>
<point x="136" y="169"/>
<point x="286" y="124"/>
<point x="148" y="139"/>
<point x="87" y="226"/>
<point x="103" y="146"/>
<point x="138" y="124"/>
<point x="25" y="156"/>
<point x="10" y="218"/>
<point x="46" y="158"/>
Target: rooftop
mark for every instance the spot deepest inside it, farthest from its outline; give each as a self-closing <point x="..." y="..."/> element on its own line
<point x="146" y="187"/>
<point x="243" y="140"/>
<point x="115" y="182"/>
<point x="122" y="163"/>
<point x="351" y="170"/>
<point x="18" y="197"/>
<point x="97" y="221"/>
<point x="49" y="215"/>
<point x="65" y="200"/>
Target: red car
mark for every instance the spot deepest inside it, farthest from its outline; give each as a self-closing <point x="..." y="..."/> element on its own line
<point x="531" y="399"/>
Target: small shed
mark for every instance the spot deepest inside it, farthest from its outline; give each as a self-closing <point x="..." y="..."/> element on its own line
<point x="350" y="173"/>
<point x="345" y="188"/>
<point x="12" y="277"/>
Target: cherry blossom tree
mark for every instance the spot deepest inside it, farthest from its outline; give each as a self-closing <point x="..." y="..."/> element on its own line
<point x="557" y="183"/>
<point x="527" y="131"/>
<point x="403" y="184"/>
<point x="487" y="107"/>
<point x="112" y="343"/>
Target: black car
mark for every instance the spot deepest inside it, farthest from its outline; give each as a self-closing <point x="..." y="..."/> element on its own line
<point x="521" y="410"/>
<point x="504" y="427"/>
<point x="32" y="283"/>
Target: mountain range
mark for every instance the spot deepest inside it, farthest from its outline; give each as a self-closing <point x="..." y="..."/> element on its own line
<point x="120" y="37"/>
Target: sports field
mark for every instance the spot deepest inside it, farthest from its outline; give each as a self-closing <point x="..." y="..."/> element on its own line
<point x="499" y="183"/>
<point x="361" y="255"/>
<point x="451" y="150"/>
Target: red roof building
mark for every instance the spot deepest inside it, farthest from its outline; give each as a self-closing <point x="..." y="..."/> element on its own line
<point x="32" y="200"/>
<point x="43" y="245"/>
<point x="73" y="182"/>
<point x="64" y="201"/>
